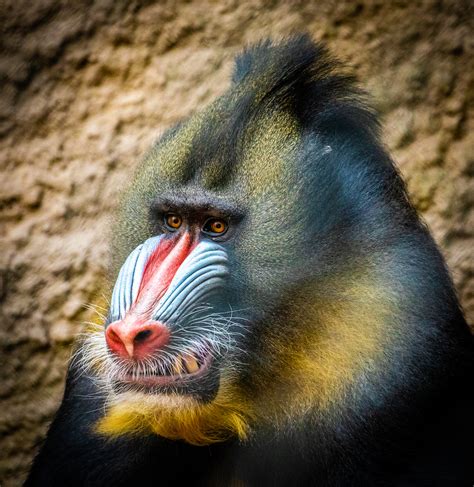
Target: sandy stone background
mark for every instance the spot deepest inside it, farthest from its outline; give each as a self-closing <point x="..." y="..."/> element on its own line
<point x="85" y="88"/>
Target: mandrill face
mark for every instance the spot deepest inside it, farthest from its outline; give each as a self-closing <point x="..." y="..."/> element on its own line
<point x="171" y="322"/>
<point x="246" y="254"/>
<point x="196" y="284"/>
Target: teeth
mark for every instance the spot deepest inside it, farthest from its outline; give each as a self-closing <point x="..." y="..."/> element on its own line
<point x="191" y="364"/>
<point x="183" y="364"/>
<point x="178" y="368"/>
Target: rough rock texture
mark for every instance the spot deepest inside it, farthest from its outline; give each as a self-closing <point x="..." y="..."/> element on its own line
<point x="87" y="86"/>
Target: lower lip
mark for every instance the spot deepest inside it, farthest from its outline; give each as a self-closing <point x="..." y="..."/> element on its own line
<point x="151" y="381"/>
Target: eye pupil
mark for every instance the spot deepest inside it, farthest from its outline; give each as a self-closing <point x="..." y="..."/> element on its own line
<point x="215" y="226"/>
<point x="173" y="221"/>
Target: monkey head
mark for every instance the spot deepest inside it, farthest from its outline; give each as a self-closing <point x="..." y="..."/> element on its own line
<point x="255" y="259"/>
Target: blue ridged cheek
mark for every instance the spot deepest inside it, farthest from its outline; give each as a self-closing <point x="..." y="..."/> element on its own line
<point x="201" y="274"/>
<point x="128" y="281"/>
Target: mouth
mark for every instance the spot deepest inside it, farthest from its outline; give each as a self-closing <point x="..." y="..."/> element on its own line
<point x="185" y="369"/>
<point x="190" y="373"/>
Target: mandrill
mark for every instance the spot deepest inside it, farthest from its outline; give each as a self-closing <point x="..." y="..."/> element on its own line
<point x="280" y="316"/>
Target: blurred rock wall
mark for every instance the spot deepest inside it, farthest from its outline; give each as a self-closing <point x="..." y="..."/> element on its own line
<point x="87" y="86"/>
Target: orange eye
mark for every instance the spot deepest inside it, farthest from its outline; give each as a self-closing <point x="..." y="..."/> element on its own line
<point x="173" y="221"/>
<point x="215" y="226"/>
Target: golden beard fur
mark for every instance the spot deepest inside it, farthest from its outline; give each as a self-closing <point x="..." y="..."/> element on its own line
<point x="179" y="418"/>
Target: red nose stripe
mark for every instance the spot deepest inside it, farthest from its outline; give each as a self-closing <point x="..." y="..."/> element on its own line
<point x="160" y="270"/>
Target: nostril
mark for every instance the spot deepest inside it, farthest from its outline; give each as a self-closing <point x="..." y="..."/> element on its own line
<point x="141" y="336"/>
<point x="149" y="339"/>
<point x="113" y="336"/>
<point x="115" y="341"/>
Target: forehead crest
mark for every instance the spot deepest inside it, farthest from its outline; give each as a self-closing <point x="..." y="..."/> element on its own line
<point x="249" y="131"/>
